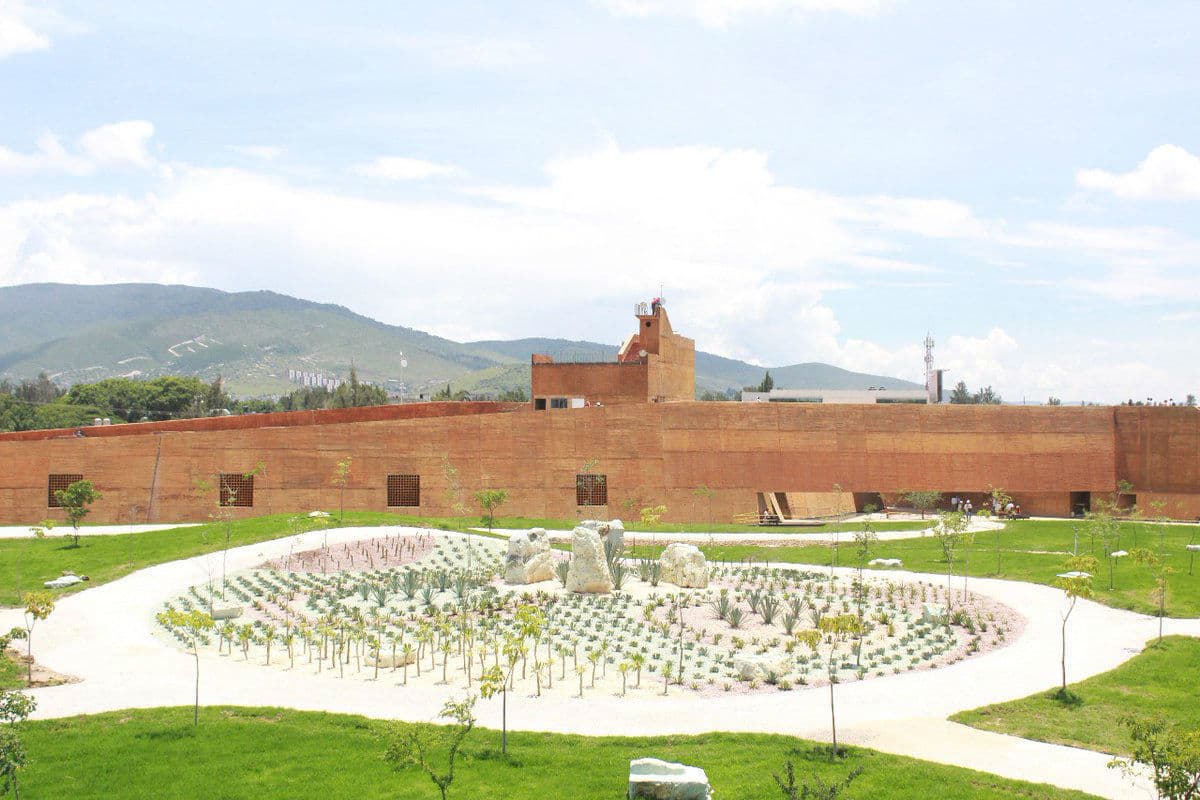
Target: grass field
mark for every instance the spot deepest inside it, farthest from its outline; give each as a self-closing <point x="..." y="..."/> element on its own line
<point x="12" y="676"/>
<point x="1159" y="680"/>
<point x="1029" y="550"/>
<point x="26" y="563"/>
<point x="268" y="753"/>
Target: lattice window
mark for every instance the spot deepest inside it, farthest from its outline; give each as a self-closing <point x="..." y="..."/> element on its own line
<point x="591" y="490"/>
<point x="237" y="490"/>
<point x="56" y="483"/>
<point x="403" y="491"/>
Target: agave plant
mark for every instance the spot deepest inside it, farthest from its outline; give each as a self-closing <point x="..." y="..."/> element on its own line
<point x="721" y="606"/>
<point x="561" y="570"/>
<point x="411" y="584"/>
<point x="768" y="607"/>
<point x="735" y="617"/>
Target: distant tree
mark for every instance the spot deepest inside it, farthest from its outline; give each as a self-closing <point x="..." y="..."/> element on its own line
<point x="444" y="394"/>
<point x="1190" y="401"/>
<point x="1054" y="401"/>
<point x="341" y="477"/>
<point x="75" y="501"/>
<point x="923" y="500"/>
<point x="1172" y="753"/>
<point x="194" y="625"/>
<point x="961" y="395"/>
<point x="356" y="394"/>
<point x="413" y="744"/>
<point x="489" y="500"/>
<point x="987" y="396"/>
<point x="767" y="383"/>
<point x="516" y="394"/>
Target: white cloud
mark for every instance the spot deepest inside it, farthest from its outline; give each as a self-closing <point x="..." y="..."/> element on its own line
<point x="259" y="151"/>
<point x="398" y="168"/>
<point x="720" y="13"/>
<point x="17" y="32"/>
<point x="451" y="51"/>
<point x="746" y="262"/>
<point x="118" y="145"/>
<point x="1169" y="172"/>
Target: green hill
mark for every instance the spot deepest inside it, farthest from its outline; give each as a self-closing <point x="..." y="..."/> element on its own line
<point x="254" y="338"/>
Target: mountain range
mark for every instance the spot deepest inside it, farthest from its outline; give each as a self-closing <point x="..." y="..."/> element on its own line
<point x="81" y="334"/>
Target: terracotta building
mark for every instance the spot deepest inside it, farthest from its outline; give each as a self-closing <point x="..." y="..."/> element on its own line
<point x="604" y="440"/>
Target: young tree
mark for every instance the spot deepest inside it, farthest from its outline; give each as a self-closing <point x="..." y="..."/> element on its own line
<point x="820" y="790"/>
<point x="650" y="515"/>
<point x="1172" y="753"/>
<point x="923" y="501"/>
<point x="38" y="606"/>
<point x="1158" y="572"/>
<point x="705" y="493"/>
<point x="834" y="630"/>
<point x="530" y="621"/>
<point x="75" y="500"/>
<point x="412" y="745"/>
<point x="953" y="533"/>
<point x="1000" y="500"/>
<point x="864" y="540"/>
<point x="340" y="479"/>
<point x="15" y="708"/>
<point x="767" y="383"/>
<point x="961" y="395"/>
<point x="1076" y="582"/>
<point x="489" y="500"/>
<point x="194" y="625"/>
<point x="1102" y="525"/>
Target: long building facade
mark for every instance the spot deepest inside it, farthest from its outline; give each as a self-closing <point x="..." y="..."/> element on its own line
<point x="621" y="439"/>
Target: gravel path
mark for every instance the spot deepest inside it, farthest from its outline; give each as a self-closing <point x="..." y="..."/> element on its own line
<point x="107" y="637"/>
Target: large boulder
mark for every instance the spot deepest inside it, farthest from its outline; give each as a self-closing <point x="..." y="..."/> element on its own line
<point x="611" y="532"/>
<point x="759" y="668"/>
<point x="656" y="779"/>
<point x="388" y="661"/>
<point x="529" y="558"/>
<point x="588" y="572"/>
<point x="225" y="611"/>
<point x="684" y="565"/>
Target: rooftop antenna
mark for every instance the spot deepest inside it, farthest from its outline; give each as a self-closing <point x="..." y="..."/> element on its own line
<point x="930" y="378"/>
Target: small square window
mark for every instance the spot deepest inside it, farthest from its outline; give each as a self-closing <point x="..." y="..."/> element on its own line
<point x="591" y="490"/>
<point x="237" y="490"/>
<point x="56" y="483"/>
<point x="558" y="402"/>
<point x="403" y="491"/>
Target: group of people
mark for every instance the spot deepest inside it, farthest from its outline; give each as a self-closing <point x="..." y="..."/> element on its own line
<point x="964" y="504"/>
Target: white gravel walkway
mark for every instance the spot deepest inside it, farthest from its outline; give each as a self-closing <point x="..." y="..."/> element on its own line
<point x="107" y="637"/>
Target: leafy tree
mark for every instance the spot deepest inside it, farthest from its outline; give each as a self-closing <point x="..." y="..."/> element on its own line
<point x="987" y="397"/>
<point x="1172" y="753"/>
<point x="767" y="383"/>
<point x="75" y="500"/>
<point x="833" y="630"/>
<point x="1076" y="582"/>
<point x="355" y="394"/>
<point x="530" y="621"/>
<point x="194" y="625"/>
<point x="961" y="395"/>
<point x="412" y="745"/>
<point x="1054" y="401"/>
<point x="517" y="394"/>
<point x="489" y="500"/>
<point x="38" y="606"/>
<point x="15" y="708"/>
<point x="923" y="500"/>
<point x="650" y="515"/>
<point x="705" y="493"/>
<point x="341" y="477"/>
<point x="1102" y="525"/>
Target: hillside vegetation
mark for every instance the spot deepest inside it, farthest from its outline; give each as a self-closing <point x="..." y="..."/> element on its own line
<point x="252" y="339"/>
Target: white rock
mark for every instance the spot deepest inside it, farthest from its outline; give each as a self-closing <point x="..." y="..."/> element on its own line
<point x="529" y="558"/>
<point x="1119" y="553"/>
<point x="225" y="611"/>
<point x="1194" y="547"/>
<point x="934" y="613"/>
<point x="316" y="514"/>
<point x="885" y="562"/>
<point x="655" y="779"/>
<point x="63" y="582"/>
<point x="684" y="565"/>
<point x="589" y="568"/>
<point x="756" y="667"/>
<point x="390" y="662"/>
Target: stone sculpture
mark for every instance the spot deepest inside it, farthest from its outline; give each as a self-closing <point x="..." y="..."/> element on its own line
<point x="684" y="565"/>
<point x="588" y="573"/>
<point x="529" y="558"/>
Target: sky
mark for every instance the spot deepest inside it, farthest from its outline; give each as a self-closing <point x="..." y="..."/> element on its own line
<point x="802" y="180"/>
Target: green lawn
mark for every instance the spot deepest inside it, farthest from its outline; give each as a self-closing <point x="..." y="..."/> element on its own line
<point x="271" y="753"/>
<point x="1030" y="550"/>
<point x="26" y="563"/>
<point x="12" y="676"/>
<point x="1159" y="680"/>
